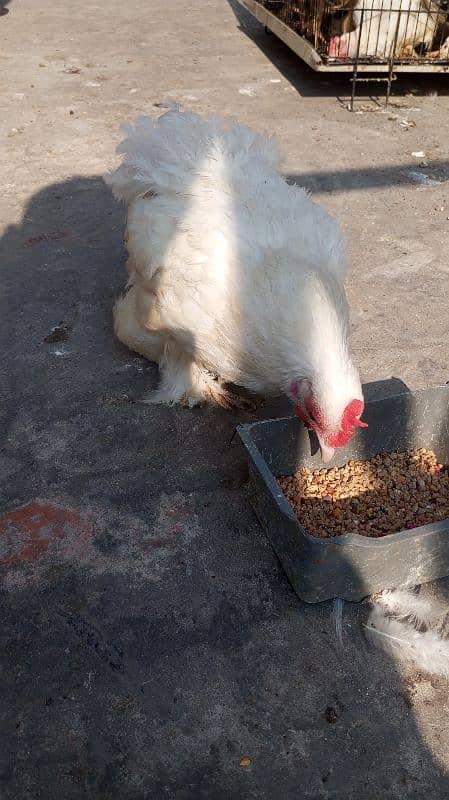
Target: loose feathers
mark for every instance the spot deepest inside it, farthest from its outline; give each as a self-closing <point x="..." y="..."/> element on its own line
<point x="337" y="615"/>
<point x="408" y="627"/>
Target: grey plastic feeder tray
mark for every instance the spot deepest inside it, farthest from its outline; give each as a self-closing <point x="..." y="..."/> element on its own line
<point x="350" y="566"/>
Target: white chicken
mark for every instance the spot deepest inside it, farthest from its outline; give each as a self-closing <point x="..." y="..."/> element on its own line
<point x="235" y="276"/>
<point x="384" y="25"/>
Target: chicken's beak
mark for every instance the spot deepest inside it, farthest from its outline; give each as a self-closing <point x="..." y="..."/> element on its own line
<point x="326" y="451"/>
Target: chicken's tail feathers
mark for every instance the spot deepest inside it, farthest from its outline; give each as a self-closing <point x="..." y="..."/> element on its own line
<point x="165" y="155"/>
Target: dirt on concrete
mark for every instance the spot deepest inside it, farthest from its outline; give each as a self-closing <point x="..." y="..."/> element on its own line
<point x="150" y="640"/>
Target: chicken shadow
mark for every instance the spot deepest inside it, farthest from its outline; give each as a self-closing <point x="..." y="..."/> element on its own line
<point x="62" y="269"/>
<point x="315" y="84"/>
<point x="3" y="7"/>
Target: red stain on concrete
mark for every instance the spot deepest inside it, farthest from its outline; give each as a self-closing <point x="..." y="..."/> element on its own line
<point x="173" y="522"/>
<point x="41" y="536"/>
<point x="27" y="533"/>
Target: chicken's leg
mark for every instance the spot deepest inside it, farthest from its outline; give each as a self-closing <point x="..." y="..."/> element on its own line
<point x="128" y="329"/>
<point x="181" y="379"/>
<point x="184" y="382"/>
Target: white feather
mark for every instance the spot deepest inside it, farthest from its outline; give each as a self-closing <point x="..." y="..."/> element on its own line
<point x="406" y="604"/>
<point x="395" y="625"/>
<point x="337" y="615"/>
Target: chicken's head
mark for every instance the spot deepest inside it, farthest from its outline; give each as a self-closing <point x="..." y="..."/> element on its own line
<point x="333" y="429"/>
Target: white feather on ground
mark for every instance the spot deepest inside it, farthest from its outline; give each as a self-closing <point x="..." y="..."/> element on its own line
<point x="405" y="626"/>
<point x="406" y="604"/>
<point x="337" y="615"/>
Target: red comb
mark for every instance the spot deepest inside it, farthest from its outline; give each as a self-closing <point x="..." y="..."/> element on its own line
<point x="352" y="413"/>
<point x="350" y="421"/>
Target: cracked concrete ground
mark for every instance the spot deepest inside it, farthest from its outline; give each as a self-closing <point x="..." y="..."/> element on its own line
<point x="149" y="638"/>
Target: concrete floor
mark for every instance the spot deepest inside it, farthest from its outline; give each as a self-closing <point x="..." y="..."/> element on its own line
<point x="149" y="637"/>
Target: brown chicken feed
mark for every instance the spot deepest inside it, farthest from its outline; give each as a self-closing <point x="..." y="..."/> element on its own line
<point x="391" y="492"/>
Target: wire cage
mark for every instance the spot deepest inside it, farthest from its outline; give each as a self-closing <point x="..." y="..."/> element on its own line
<point x="374" y="31"/>
<point x="361" y="36"/>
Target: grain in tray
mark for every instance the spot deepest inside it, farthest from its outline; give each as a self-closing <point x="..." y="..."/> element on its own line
<point x="388" y="493"/>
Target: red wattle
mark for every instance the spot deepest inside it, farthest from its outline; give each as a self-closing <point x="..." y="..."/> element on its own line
<point x="302" y="416"/>
<point x="350" y="421"/>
